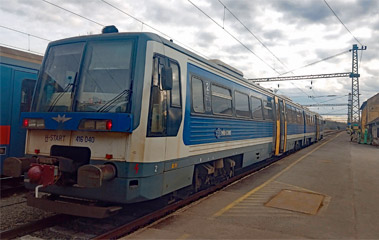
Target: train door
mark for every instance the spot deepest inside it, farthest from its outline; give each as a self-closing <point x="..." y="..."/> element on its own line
<point x="281" y="127"/>
<point x="23" y="88"/>
<point x="165" y="111"/>
<point x="317" y="128"/>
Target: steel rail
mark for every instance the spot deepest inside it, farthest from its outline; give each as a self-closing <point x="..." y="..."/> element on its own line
<point x="149" y="218"/>
<point x="35" y="226"/>
<point x="10" y="186"/>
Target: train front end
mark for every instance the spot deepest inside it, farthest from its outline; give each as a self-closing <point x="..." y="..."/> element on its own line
<point x="82" y="118"/>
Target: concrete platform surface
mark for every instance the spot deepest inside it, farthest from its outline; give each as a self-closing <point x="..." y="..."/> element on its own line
<point x="345" y="174"/>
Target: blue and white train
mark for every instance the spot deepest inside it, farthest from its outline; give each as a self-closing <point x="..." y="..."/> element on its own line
<point x="129" y="117"/>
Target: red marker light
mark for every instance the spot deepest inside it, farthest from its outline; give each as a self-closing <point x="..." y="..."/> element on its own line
<point x="25" y="123"/>
<point x="109" y="125"/>
<point x="37" y="151"/>
<point x="108" y="156"/>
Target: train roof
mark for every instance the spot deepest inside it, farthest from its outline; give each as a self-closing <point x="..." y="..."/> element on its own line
<point x="20" y="58"/>
<point x="148" y="36"/>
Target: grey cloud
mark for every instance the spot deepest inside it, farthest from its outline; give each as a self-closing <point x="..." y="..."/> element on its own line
<point x="205" y="38"/>
<point x="310" y="11"/>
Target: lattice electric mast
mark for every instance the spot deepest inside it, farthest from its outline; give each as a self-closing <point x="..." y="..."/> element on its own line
<point x="355" y="116"/>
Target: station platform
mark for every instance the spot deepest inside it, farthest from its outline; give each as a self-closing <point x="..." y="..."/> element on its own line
<point x="329" y="190"/>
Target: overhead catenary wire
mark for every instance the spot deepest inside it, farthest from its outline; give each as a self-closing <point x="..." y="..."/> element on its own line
<point x="74" y="13"/>
<point x="23" y="49"/>
<point x="291" y="71"/>
<point x="234" y="37"/>
<point x="342" y="22"/>
<point x="100" y="24"/>
<point x="334" y="98"/>
<point x="247" y="29"/>
<point x="316" y="62"/>
<point x="150" y="26"/>
<point x="29" y="34"/>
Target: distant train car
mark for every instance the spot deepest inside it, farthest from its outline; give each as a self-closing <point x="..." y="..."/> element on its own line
<point x="17" y="80"/>
<point x="129" y="117"/>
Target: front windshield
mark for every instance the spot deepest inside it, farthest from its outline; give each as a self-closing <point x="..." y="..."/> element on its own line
<point x="106" y="77"/>
<point x="58" y="77"/>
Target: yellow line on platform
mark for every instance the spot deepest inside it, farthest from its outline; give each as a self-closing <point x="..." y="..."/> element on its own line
<point x="184" y="236"/>
<point x="231" y="205"/>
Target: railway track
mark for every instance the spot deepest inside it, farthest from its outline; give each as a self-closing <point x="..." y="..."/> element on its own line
<point x="160" y="213"/>
<point x="35" y="226"/>
<point x="10" y="186"/>
<point x="331" y="132"/>
<point x="135" y="222"/>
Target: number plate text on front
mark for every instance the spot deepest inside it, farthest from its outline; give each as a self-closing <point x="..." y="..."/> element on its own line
<point x="85" y="139"/>
<point x="54" y="138"/>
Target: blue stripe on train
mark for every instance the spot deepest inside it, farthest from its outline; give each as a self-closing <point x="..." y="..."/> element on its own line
<point x="295" y="129"/>
<point x="202" y="129"/>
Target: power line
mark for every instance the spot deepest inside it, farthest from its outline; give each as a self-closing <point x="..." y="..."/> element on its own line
<point x="334" y="98"/>
<point x="342" y="22"/>
<point x="155" y="29"/>
<point x="24" y="49"/>
<point x="225" y="7"/>
<point x="15" y="30"/>
<point x="88" y="19"/>
<point x="264" y="45"/>
<point x="318" y="61"/>
<point x="74" y="13"/>
<point x="235" y="38"/>
<point x="326" y="105"/>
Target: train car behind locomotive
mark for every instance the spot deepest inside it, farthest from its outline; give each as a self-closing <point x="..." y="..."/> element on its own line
<point x="129" y="117"/>
<point x="18" y="74"/>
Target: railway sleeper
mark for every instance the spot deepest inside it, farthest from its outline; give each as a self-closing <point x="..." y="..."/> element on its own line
<point x="72" y="206"/>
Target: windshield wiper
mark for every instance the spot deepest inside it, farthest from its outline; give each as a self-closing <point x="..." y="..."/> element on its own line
<point x="108" y="105"/>
<point x="56" y="99"/>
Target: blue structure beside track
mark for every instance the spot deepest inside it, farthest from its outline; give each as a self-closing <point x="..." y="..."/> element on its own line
<point x="19" y="72"/>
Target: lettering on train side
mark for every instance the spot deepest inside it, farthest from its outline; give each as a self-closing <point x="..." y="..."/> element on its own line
<point x="222" y="133"/>
<point x="54" y="138"/>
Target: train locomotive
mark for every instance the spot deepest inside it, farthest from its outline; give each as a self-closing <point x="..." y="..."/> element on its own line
<point x="130" y="117"/>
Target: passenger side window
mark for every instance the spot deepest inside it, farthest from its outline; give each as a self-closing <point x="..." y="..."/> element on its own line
<point x="256" y="108"/>
<point x="299" y="117"/>
<point x="197" y="95"/>
<point x="157" y="101"/>
<point x="267" y="110"/>
<point x="288" y="113"/>
<point x="165" y="113"/>
<point x="175" y="92"/>
<point x="293" y="113"/>
<point x="242" y="104"/>
<point x="221" y="100"/>
<point x="27" y="89"/>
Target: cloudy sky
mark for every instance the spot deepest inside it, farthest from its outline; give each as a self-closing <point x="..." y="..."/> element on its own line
<point x="262" y="38"/>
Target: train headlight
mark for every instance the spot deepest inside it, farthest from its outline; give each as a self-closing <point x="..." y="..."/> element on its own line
<point x="89" y="124"/>
<point x="33" y="123"/>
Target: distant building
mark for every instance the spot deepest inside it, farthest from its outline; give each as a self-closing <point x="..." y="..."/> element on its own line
<point x="370" y="120"/>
